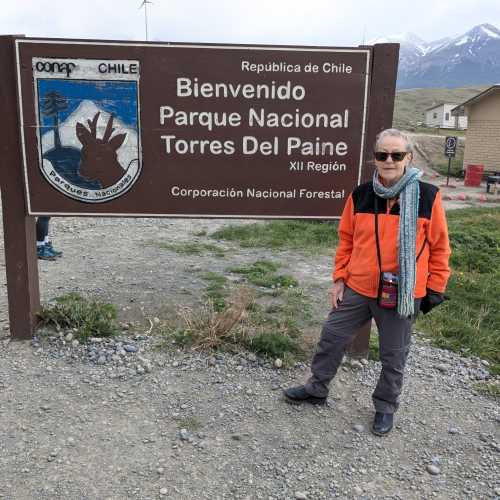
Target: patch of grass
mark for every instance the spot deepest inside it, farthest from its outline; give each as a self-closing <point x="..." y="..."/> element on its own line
<point x="273" y="345"/>
<point x="470" y="322"/>
<point x="207" y="328"/>
<point x="190" y="423"/>
<point x="215" y="290"/>
<point x="491" y="389"/>
<point x="444" y="132"/>
<point x="87" y="317"/>
<point x="314" y="237"/>
<point x="271" y="330"/>
<point x="475" y="239"/>
<point x="275" y="330"/>
<point x="455" y="169"/>
<point x="190" y="248"/>
<point x="261" y="273"/>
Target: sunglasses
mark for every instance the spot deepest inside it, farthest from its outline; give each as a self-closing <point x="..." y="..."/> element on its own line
<point x="397" y="156"/>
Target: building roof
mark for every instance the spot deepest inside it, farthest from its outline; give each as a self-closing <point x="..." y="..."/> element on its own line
<point x="460" y="109"/>
<point x="439" y="105"/>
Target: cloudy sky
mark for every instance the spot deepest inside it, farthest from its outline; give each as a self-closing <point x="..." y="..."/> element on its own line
<point x="305" y="22"/>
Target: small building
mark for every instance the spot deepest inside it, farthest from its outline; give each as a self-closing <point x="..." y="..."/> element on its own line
<point x="439" y="116"/>
<point x="482" y="139"/>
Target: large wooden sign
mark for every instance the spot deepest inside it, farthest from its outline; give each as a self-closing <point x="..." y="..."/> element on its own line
<point x="187" y="130"/>
<point x="150" y="129"/>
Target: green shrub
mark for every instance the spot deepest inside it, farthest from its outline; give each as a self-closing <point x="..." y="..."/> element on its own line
<point x="87" y="317"/>
<point x="273" y="345"/>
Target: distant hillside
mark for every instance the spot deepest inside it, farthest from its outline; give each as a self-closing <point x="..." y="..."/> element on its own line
<point x="410" y="105"/>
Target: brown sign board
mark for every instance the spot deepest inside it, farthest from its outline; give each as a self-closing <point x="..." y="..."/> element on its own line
<point x="191" y="130"/>
<point x="102" y="128"/>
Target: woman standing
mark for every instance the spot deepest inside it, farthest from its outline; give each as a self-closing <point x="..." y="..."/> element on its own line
<point x="393" y="251"/>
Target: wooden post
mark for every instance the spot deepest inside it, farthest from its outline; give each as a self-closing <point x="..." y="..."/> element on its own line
<point x="19" y="229"/>
<point x="384" y="70"/>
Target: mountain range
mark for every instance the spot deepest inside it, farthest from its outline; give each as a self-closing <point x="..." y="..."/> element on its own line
<point x="472" y="58"/>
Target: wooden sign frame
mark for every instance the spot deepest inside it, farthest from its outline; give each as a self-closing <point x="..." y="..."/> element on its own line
<point x="19" y="231"/>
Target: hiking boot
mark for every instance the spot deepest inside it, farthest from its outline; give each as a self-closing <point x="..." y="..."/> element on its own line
<point x="382" y="423"/>
<point x="44" y="253"/>
<point x="56" y="253"/>
<point x="299" y="395"/>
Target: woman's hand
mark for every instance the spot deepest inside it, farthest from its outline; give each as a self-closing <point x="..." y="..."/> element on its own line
<point x="337" y="292"/>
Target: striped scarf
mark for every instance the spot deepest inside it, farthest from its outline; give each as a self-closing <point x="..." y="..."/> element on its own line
<point x="408" y="190"/>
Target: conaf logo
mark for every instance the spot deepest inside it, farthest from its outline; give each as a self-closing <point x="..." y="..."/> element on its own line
<point x="55" y="67"/>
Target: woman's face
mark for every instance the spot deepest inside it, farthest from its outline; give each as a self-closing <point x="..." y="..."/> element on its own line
<point x="390" y="170"/>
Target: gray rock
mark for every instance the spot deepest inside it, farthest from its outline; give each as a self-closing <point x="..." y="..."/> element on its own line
<point x="184" y="435"/>
<point x="358" y="427"/>
<point x="101" y="360"/>
<point x="130" y="348"/>
<point x="300" y="495"/>
<point x="433" y="469"/>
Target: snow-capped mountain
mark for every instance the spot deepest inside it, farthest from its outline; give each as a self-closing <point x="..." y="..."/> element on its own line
<point x="87" y="109"/>
<point x="469" y="59"/>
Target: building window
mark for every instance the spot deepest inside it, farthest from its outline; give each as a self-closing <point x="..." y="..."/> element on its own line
<point x="434" y="115"/>
<point x="447" y="116"/>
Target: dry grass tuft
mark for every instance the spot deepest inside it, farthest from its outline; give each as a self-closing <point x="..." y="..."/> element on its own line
<point x="207" y="328"/>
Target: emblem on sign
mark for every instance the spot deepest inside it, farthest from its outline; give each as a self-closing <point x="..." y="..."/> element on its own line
<point x="88" y="126"/>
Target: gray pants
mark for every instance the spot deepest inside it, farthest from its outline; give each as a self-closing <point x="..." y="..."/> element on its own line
<point x="338" y="332"/>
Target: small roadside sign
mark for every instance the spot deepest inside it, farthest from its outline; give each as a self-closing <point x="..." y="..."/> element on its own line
<point x="450" y="146"/>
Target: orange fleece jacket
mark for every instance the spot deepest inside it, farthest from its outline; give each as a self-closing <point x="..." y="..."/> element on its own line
<point x="356" y="257"/>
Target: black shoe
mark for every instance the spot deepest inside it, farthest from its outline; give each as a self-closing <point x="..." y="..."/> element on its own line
<point x="299" y="395"/>
<point x="382" y="423"/>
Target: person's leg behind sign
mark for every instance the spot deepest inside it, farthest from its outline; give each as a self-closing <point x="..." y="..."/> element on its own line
<point x="337" y="334"/>
<point x="44" y="248"/>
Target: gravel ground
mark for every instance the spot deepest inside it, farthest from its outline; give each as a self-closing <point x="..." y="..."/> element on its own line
<point x="121" y="419"/>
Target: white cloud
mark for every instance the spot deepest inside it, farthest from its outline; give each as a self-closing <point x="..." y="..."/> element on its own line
<point x="311" y="22"/>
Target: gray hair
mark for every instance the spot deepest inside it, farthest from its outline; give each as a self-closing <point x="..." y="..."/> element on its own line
<point x="394" y="132"/>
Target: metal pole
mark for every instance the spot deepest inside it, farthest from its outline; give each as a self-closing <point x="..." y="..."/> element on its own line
<point x="146" y="18"/>
<point x="449" y="168"/>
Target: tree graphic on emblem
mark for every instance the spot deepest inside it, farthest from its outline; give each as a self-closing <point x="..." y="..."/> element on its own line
<point x="52" y="104"/>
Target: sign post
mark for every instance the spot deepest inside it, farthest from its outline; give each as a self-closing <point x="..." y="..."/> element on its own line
<point x="182" y="130"/>
<point x="450" y="147"/>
